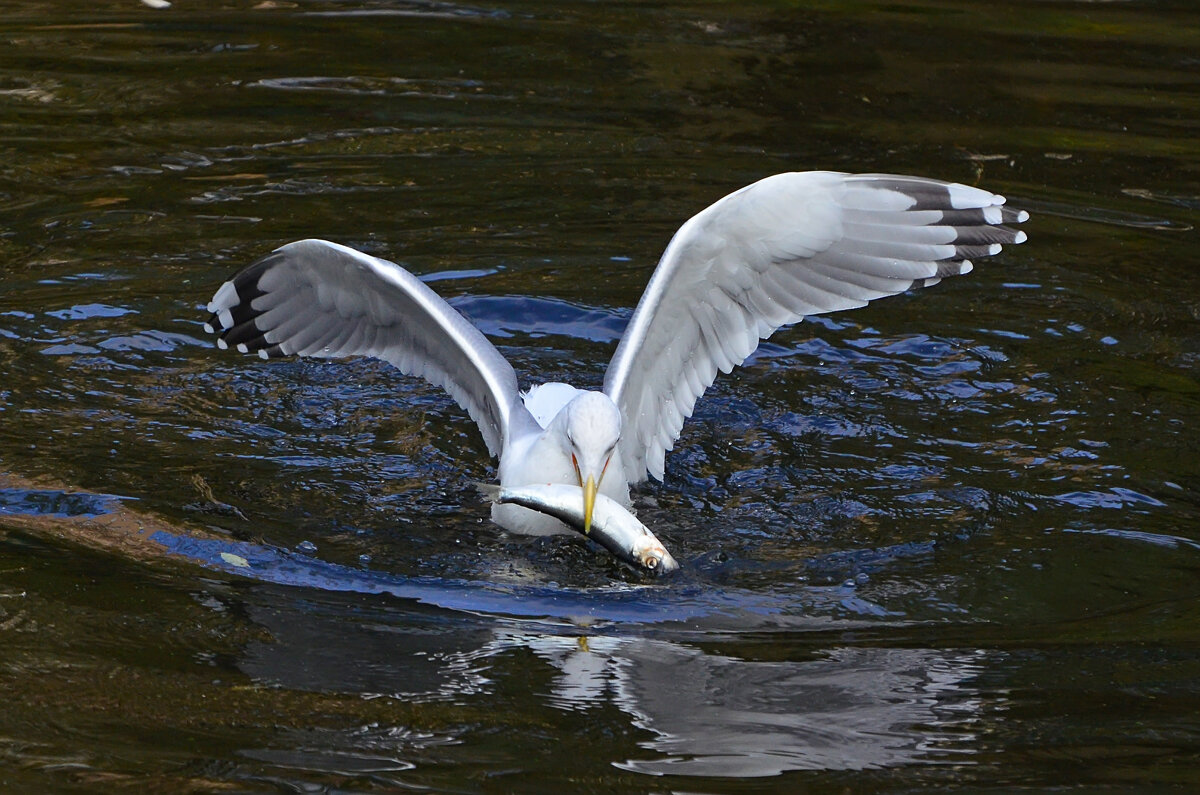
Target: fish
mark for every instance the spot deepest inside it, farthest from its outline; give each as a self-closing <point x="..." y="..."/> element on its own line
<point x="613" y="526"/>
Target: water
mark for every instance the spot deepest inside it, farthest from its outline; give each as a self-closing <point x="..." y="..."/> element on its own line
<point x="949" y="540"/>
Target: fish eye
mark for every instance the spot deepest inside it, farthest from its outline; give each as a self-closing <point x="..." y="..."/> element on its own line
<point x="652" y="563"/>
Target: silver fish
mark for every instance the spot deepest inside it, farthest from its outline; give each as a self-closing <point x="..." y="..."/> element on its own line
<point x="613" y="526"/>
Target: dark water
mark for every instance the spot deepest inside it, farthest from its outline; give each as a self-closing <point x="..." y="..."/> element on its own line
<point x="949" y="541"/>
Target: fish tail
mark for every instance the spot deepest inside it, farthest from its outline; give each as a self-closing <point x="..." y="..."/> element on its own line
<point x="489" y="491"/>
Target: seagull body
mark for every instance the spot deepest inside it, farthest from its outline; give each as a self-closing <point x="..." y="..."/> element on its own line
<point x="577" y="433"/>
<point x="765" y="256"/>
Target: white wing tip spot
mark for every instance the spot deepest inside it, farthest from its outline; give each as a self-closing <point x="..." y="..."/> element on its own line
<point x="241" y="347"/>
<point x="965" y="267"/>
<point x="222" y="344"/>
<point x="964" y="197"/>
<point x="225" y="297"/>
<point x="262" y="353"/>
<point x="994" y="248"/>
<point x="1021" y="236"/>
<point x="1022" y="217"/>
<point x="208" y="329"/>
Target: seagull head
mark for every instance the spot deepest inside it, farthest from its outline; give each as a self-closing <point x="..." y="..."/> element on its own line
<point x="592" y="426"/>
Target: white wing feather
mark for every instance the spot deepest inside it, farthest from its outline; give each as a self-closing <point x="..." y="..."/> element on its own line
<point x="769" y="254"/>
<point x="316" y="298"/>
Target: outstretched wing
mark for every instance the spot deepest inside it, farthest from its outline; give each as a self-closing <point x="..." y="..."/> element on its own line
<point x="316" y="298"/>
<point x="787" y="246"/>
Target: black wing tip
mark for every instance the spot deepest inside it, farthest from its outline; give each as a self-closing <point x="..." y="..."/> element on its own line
<point x="232" y="313"/>
<point x="979" y="217"/>
<point x="1011" y="215"/>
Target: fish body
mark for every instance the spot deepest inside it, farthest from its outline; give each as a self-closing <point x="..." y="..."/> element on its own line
<point x="613" y="526"/>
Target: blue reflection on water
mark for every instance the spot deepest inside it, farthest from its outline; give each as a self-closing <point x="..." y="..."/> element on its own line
<point x="506" y="316"/>
<point x="51" y="502"/>
<point x="629" y="603"/>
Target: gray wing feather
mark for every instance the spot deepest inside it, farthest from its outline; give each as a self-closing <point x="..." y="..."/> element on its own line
<point x="769" y="254"/>
<point x="320" y="299"/>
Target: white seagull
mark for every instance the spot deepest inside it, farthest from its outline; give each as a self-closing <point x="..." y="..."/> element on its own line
<point x="765" y="256"/>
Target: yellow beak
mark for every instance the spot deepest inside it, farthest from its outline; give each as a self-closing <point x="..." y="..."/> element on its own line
<point x="589" y="502"/>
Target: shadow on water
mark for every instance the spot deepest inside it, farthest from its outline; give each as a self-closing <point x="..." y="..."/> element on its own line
<point x="704" y="713"/>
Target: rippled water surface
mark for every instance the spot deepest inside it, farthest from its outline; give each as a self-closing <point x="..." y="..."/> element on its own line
<point x="950" y="540"/>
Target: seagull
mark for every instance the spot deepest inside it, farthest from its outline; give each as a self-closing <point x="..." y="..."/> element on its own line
<point x="763" y="257"/>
